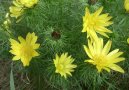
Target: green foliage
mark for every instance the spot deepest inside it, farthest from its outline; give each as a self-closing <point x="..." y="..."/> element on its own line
<point x="58" y="25"/>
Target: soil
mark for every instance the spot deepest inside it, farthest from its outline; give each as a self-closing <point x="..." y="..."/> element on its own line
<point x="19" y="78"/>
<point x="4" y="74"/>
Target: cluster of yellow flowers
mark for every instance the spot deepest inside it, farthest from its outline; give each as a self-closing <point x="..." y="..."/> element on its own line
<point x="98" y="53"/>
<point x="25" y="50"/>
<point x="93" y="23"/>
<point x="17" y="9"/>
<point x="19" y="6"/>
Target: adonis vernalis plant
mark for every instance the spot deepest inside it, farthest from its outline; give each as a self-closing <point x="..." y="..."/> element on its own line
<point x="25" y="49"/>
<point x="59" y="26"/>
<point x="64" y="64"/>
<point x="101" y="57"/>
<point x="96" y="23"/>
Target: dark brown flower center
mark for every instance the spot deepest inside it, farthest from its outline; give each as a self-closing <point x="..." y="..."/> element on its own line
<point x="56" y="35"/>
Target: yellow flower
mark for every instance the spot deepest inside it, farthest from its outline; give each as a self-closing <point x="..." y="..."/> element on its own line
<point x="64" y="64"/>
<point x="28" y="3"/>
<point x="7" y="22"/>
<point x="126" y="5"/>
<point x="25" y="49"/>
<point x="16" y="11"/>
<point x="95" y="23"/>
<point x="101" y="57"/>
<point x="128" y="40"/>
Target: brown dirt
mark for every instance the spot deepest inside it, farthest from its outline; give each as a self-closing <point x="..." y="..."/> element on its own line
<point x="19" y="78"/>
<point x="4" y="74"/>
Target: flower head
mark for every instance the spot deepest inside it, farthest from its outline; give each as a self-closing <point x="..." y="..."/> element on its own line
<point x="102" y="58"/>
<point x="16" y="11"/>
<point x="25" y="49"/>
<point x="126" y="5"/>
<point x="64" y="64"/>
<point x="95" y="23"/>
<point x="28" y="3"/>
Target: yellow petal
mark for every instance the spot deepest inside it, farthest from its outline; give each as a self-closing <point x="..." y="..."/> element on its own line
<point x="107" y="69"/>
<point x="98" y="45"/>
<point x="87" y="51"/>
<point x="35" y="54"/>
<point x="93" y="34"/>
<point x="28" y="37"/>
<point x="25" y="61"/>
<point x="113" y="52"/>
<point x="91" y="48"/>
<point x="13" y="41"/>
<point x="34" y="39"/>
<point x="103" y="29"/>
<point x="116" y="68"/>
<point x="98" y="11"/>
<point x="16" y="58"/>
<point x="116" y="60"/>
<point x="65" y="76"/>
<point x="99" y="68"/>
<point x="115" y="55"/>
<point x="107" y="47"/>
<point x="87" y="12"/>
<point x="13" y="52"/>
<point x="90" y="61"/>
<point x="103" y="33"/>
<point x="21" y="39"/>
<point x="36" y="46"/>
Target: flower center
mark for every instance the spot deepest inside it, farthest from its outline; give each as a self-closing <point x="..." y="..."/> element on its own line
<point x="60" y="67"/>
<point x="100" y="60"/>
<point x="26" y="51"/>
<point x="56" y="35"/>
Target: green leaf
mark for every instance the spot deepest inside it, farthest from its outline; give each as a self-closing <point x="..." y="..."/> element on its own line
<point x="12" y="86"/>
